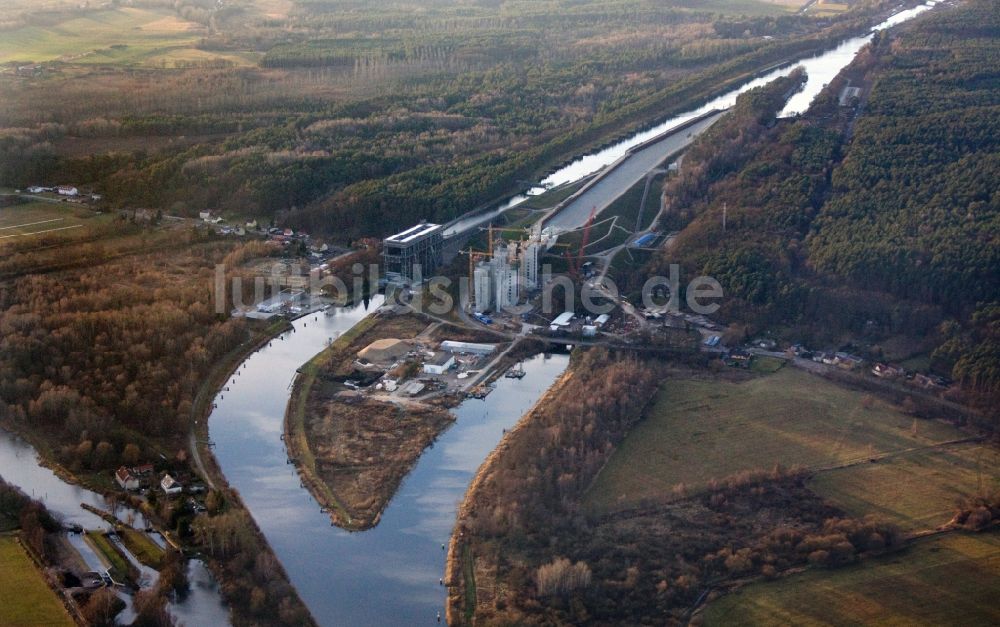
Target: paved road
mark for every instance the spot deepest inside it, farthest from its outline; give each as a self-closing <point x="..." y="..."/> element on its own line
<point x="627" y="174"/>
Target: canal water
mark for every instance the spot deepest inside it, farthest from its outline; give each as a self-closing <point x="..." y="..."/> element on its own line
<point x="19" y="466"/>
<point x="820" y="68"/>
<point x="389" y="574"/>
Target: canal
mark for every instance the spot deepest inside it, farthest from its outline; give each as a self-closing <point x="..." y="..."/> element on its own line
<point x="19" y="466"/>
<point x="820" y="68"/>
<point x="389" y="574"/>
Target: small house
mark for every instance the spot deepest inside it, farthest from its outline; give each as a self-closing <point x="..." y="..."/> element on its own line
<point x="847" y="361"/>
<point x="886" y="371"/>
<point x="439" y="363"/>
<point x="739" y="357"/>
<point x="169" y="485"/>
<point x="67" y="190"/>
<point x="126" y="480"/>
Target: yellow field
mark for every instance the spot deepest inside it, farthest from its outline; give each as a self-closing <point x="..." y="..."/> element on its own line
<point x="25" y="598"/>
<point x="701" y="430"/>
<point x="179" y="57"/>
<point x="946" y="580"/>
<point x="916" y="490"/>
<point x="100" y="36"/>
<point x="829" y="8"/>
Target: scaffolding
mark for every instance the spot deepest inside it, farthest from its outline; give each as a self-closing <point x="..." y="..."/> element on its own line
<point x="419" y="245"/>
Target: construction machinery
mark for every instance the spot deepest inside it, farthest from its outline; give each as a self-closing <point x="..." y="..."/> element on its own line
<point x="495" y="229"/>
<point x="574" y="262"/>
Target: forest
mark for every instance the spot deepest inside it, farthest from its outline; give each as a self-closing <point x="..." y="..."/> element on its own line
<point x="879" y="220"/>
<point x="353" y="122"/>
<point x="101" y="366"/>
<point x="115" y="350"/>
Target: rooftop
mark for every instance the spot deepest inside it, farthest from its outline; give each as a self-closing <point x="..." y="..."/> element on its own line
<point x="414" y="232"/>
<point x="466" y="347"/>
<point x="439" y="359"/>
<point x="563" y="319"/>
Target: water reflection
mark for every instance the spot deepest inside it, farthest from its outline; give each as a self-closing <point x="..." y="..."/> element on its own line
<point x="19" y="465"/>
<point x="389" y="574"/>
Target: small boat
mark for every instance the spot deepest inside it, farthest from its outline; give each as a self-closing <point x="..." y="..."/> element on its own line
<point x="516" y="372"/>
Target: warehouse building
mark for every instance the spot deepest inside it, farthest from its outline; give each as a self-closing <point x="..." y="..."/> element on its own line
<point x="469" y="348"/>
<point x="418" y="246"/>
<point x="439" y="363"/>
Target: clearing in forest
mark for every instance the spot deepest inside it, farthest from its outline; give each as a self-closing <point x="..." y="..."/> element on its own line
<point x="697" y="430"/>
<point x="947" y="580"/>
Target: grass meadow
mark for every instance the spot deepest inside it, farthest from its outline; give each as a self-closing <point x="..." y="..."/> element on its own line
<point x="25" y="598"/>
<point x="120" y="36"/>
<point x="945" y="580"/>
<point x="699" y="430"/>
<point x="23" y="223"/>
<point x="916" y="490"/>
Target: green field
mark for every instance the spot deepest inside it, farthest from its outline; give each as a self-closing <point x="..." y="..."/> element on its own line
<point x="916" y="490"/>
<point x="21" y="222"/>
<point x="124" y="35"/>
<point x="762" y="364"/>
<point x="552" y="197"/>
<point x="947" y="580"/>
<point x="25" y="598"/>
<point x="119" y="566"/>
<point x="698" y="430"/>
<point x="144" y="549"/>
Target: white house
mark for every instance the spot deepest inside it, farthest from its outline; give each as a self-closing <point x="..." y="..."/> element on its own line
<point x="205" y="215"/>
<point x="170" y="485"/>
<point x="67" y="190"/>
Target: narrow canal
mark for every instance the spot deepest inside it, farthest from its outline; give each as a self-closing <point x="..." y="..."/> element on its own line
<point x="19" y="466"/>
<point x="820" y="68"/>
<point x="389" y="574"/>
